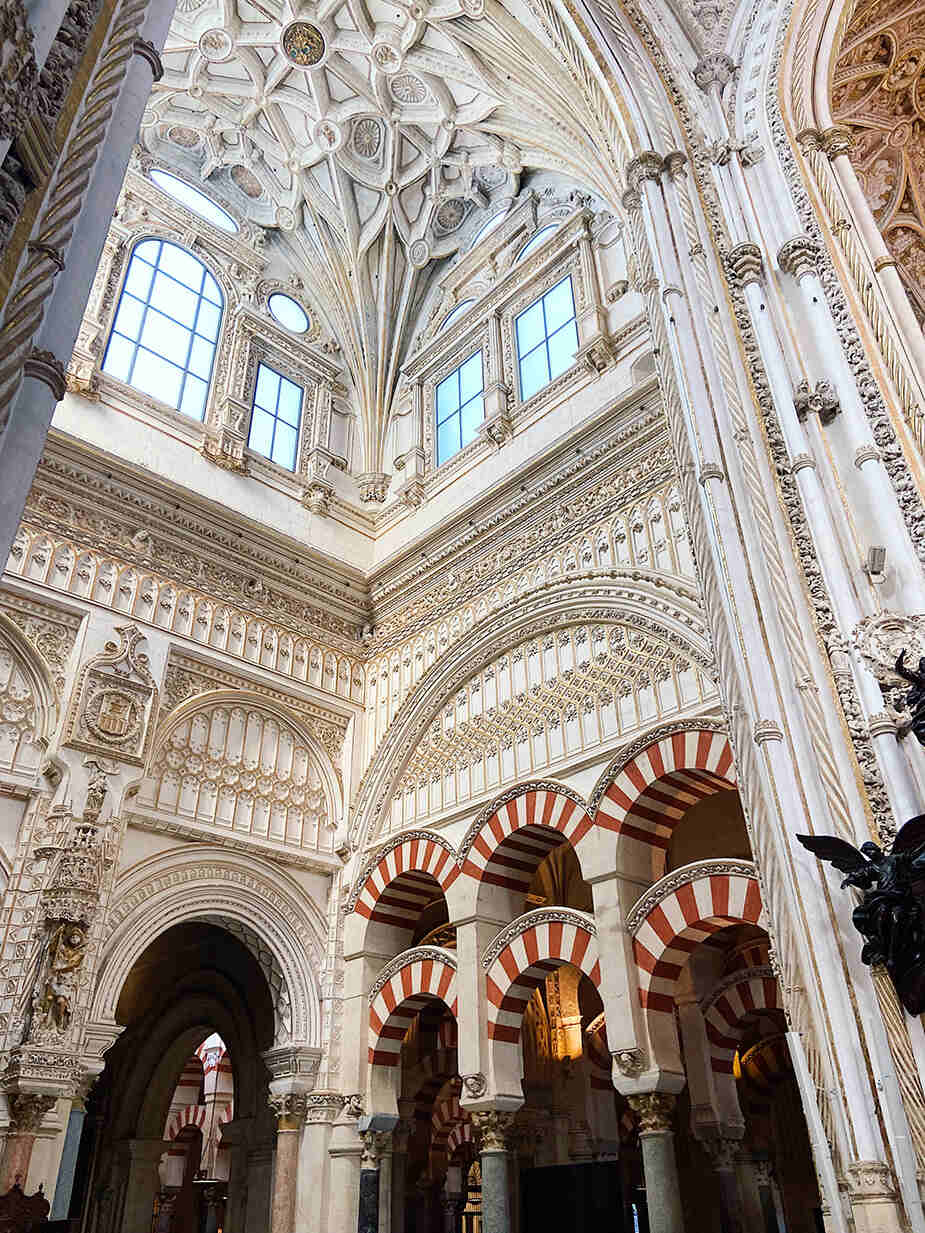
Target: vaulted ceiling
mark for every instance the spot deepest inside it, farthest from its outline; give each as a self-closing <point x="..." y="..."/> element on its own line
<point x="368" y="134"/>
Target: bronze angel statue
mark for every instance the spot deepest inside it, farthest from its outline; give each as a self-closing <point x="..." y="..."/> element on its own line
<point x="890" y="916"/>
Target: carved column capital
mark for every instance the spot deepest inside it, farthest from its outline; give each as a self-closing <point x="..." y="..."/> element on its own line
<point x="836" y="140"/>
<point x="45" y="366"/>
<point x="645" y="166"/>
<point x="493" y="1129"/>
<point x="655" y="1112"/>
<point x="373" y="486"/>
<point x="375" y="1145"/>
<point x="714" y="70"/>
<point x="744" y="265"/>
<point x="798" y="256"/>
<point x="289" y="1108"/>
<point x="146" y="49"/>
<point x="27" y="1111"/>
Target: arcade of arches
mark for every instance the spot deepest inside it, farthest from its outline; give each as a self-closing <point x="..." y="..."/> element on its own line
<point x="462" y="514"/>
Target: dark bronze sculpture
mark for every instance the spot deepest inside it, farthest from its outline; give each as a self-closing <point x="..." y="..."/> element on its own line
<point x="915" y="698"/>
<point x="890" y="916"/>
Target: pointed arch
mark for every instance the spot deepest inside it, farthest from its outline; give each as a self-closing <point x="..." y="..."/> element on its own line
<point x="647" y="790"/>
<point x="405" y="986"/>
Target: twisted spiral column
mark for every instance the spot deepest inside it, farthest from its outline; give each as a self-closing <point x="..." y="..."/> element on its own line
<point x="66" y="199"/>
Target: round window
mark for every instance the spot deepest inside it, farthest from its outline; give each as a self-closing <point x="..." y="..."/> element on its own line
<point x="288" y="313"/>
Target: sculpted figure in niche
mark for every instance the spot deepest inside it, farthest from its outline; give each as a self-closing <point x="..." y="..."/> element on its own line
<point x="54" y="998"/>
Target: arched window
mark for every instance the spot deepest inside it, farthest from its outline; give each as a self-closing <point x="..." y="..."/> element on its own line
<point x="164" y="335"/>
<point x="535" y="241"/>
<point x="454" y="314"/>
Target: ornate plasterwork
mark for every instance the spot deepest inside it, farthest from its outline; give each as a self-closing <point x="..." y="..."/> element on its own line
<point x="186" y="678"/>
<point x="235" y="764"/>
<point x="878" y="95"/>
<point x="113" y="702"/>
<point x="572" y="689"/>
<point x="18" y="76"/>
<point x="49" y="630"/>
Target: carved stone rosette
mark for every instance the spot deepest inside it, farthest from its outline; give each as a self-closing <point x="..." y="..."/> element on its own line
<point x="655" y="1112"/>
<point x="493" y="1129"/>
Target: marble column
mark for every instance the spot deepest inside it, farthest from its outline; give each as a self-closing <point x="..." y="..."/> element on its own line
<point x="494" y="1128"/>
<point x="289" y="1108"/>
<point x="400" y="1137"/>
<point x="374" y="1144"/>
<point x="655" y="1112"/>
<point x="723" y="1153"/>
<point x="764" y="1178"/>
<point x="67" y="1167"/>
<point x="27" y="1111"/>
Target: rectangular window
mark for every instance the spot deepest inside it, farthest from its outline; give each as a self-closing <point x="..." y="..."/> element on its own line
<point x="459" y="407"/>
<point x="547" y="338"/>
<point x="275" y="417"/>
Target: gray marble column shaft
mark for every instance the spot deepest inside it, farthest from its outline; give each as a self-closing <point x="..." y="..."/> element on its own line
<point x="496" y="1203"/>
<point x="368" y="1209"/>
<point x="663" y="1192"/>
<point x="64" y="1187"/>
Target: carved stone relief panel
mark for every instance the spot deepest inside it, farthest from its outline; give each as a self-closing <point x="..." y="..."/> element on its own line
<point x="20" y="753"/>
<point x="246" y="770"/>
<point x="552" y="698"/>
<point x="878" y="93"/>
<point x="113" y="701"/>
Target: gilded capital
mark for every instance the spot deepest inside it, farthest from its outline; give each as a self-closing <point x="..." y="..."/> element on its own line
<point x="655" y="1112"/>
<point x="493" y="1129"/>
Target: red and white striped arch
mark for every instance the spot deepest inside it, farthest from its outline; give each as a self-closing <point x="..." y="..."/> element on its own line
<point x="414" y="982"/>
<point x="686" y="916"/>
<point x="191" y="1115"/>
<point x="460" y="1135"/>
<point x="726" y="1015"/>
<point x="650" y="794"/>
<point x="514" y="839"/>
<point x="544" y="941"/>
<point x="448" y="1114"/>
<point x="598" y="1055"/>
<point x="401" y="884"/>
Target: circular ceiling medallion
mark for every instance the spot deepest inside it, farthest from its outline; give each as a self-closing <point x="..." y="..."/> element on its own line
<point x="367" y="137"/>
<point x="419" y="253"/>
<point x="285" y="218"/>
<point x="303" y="44"/>
<point x="407" y="88"/>
<point x="386" y="58"/>
<point x="246" y="181"/>
<point x="188" y="138"/>
<point x="450" y="214"/>
<point x="327" y="135"/>
<point x="215" y="45"/>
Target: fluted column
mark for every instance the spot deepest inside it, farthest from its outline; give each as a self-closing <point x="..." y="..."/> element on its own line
<point x="289" y="1108"/>
<point x="27" y="1111"/>
<point x="655" y="1111"/>
<point x="494" y="1129"/>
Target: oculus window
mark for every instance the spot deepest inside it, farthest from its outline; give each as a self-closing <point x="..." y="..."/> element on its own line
<point x="164" y="335"/>
<point x="288" y="312"/>
<point x="195" y="201"/>
<point x="547" y="338"/>
<point x="275" y="417"/>
<point x="459" y="407"/>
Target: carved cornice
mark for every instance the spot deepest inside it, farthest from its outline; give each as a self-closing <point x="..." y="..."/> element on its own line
<point x="564" y="916"/>
<point x="682" y="877"/>
<point x="417" y="954"/>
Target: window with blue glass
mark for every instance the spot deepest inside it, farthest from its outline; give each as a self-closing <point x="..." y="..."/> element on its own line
<point x="275" y="417"/>
<point x="459" y="407"/>
<point x="547" y="338"/>
<point x="164" y="336"/>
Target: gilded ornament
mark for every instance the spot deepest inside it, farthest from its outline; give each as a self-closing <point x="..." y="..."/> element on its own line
<point x="303" y="44"/>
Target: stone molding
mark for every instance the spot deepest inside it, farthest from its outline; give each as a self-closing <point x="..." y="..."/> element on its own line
<point x="380" y="853"/>
<point x="532" y="785"/>
<point x="640" y="743"/>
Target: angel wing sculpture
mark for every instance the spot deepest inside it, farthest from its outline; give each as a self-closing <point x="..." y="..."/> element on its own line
<point x="890" y="916"/>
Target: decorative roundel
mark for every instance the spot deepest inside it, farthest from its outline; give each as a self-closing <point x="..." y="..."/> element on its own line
<point x="328" y="135"/>
<point x="419" y="253"/>
<point x="285" y="218"/>
<point x="216" y="45"/>
<point x="303" y="44"/>
<point x="288" y="312"/>
<point x="406" y="88"/>
<point x="386" y="58"/>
